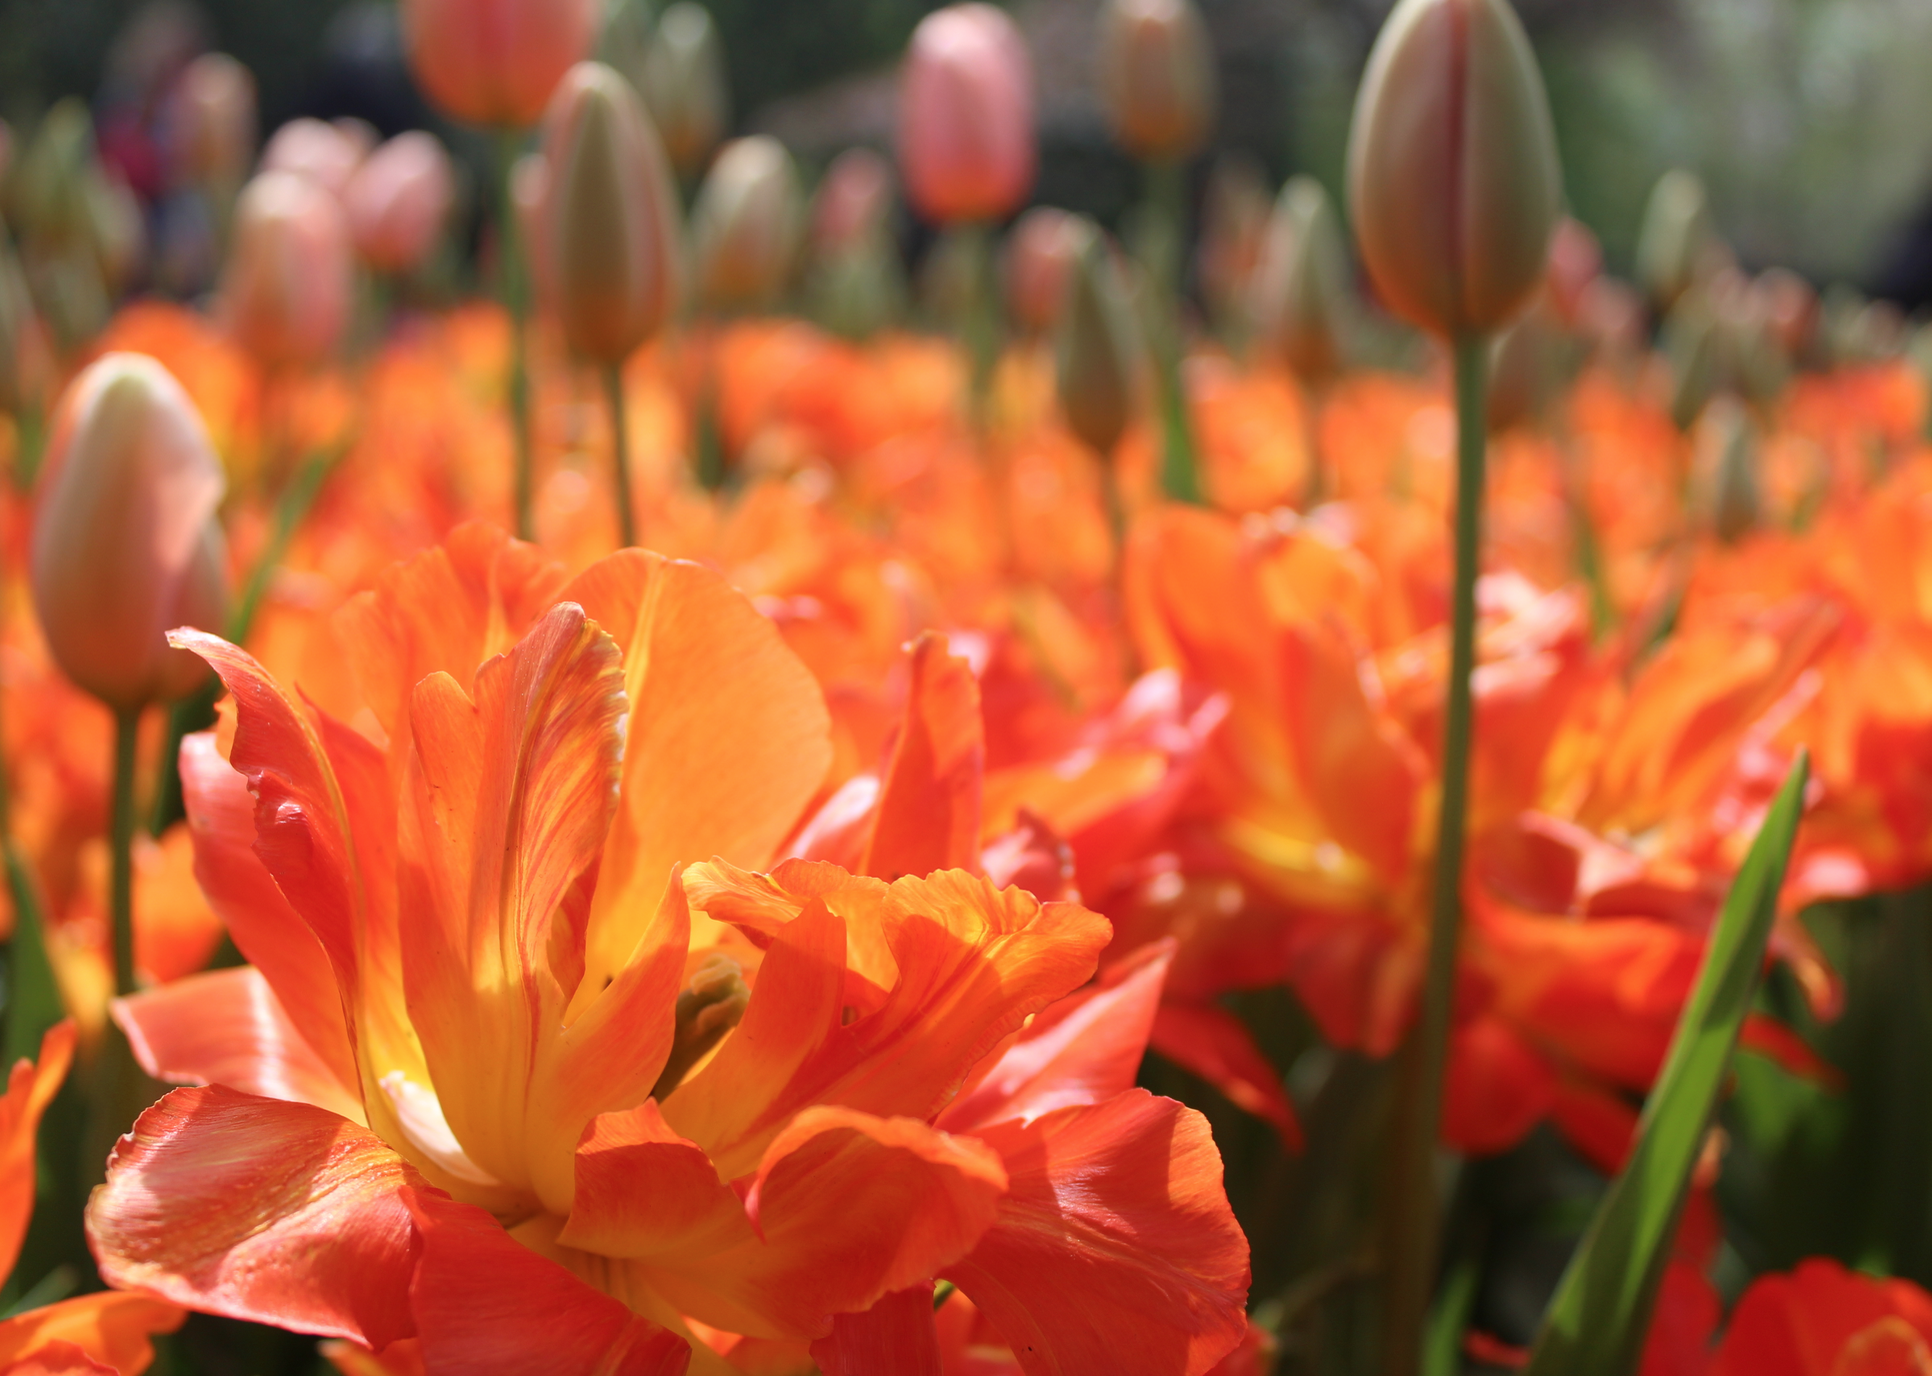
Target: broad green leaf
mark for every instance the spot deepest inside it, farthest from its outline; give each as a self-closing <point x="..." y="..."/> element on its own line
<point x="33" y="1000"/>
<point x="1600" y="1315"/>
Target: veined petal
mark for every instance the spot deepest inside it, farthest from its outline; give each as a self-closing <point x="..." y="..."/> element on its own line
<point x="260" y="1209"/>
<point x="895" y="1337"/>
<point x="1082" y="1050"/>
<point x="928" y="813"/>
<point x="646" y="1194"/>
<point x="507" y="803"/>
<point x="1115" y="1249"/>
<point x="30" y="1088"/>
<point x="728" y="736"/>
<point x="847" y="1208"/>
<point x="110" y="1328"/>
<point x="970" y="963"/>
<point x="485" y="1302"/>
<point x="227" y="1027"/>
<point x="265" y="929"/>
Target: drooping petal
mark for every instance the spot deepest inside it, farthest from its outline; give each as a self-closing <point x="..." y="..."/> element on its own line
<point x="30" y="1088"/>
<point x="265" y="929"/>
<point x="728" y="736"/>
<point x="969" y="963"/>
<point x="507" y="802"/>
<point x="1210" y="1041"/>
<point x="928" y="812"/>
<point x="1115" y="1249"/>
<point x="1082" y="1050"/>
<point x="485" y="1302"/>
<point x="895" y="1337"/>
<point x="226" y="1027"/>
<point x="260" y="1209"/>
<point x="111" y="1328"/>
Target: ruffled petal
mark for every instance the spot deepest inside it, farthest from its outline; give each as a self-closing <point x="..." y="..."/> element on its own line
<point x="227" y="1027"/>
<point x="1115" y="1249"/>
<point x="258" y="1209"/>
<point x="110" y="1328"/>
<point x="895" y="1337"/>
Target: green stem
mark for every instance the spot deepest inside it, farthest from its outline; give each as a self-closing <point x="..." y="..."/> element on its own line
<point x="1162" y="234"/>
<point x="982" y="324"/>
<point x="1414" y="1243"/>
<point x="127" y="723"/>
<point x="709" y="435"/>
<point x="516" y="302"/>
<point x="620" y="453"/>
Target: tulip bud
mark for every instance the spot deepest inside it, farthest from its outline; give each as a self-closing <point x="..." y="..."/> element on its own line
<point x="125" y="543"/>
<point x="214" y="121"/>
<point x="286" y="292"/>
<point x="1676" y="239"/>
<point x="607" y="236"/>
<point x="1789" y="307"/>
<point x="1728" y="455"/>
<point x="325" y="154"/>
<point x="16" y="324"/>
<point x="684" y="86"/>
<point x="398" y="200"/>
<point x="854" y="204"/>
<point x="1301" y="286"/>
<point x="1693" y="348"/>
<point x="1452" y="168"/>
<point x="496" y="61"/>
<point x="856" y="284"/>
<point x="745" y="225"/>
<point x="966" y="139"/>
<point x="1576" y="261"/>
<point x="1234" y="229"/>
<point x="1097" y="354"/>
<point x="1039" y="264"/>
<point x="1157" y="77"/>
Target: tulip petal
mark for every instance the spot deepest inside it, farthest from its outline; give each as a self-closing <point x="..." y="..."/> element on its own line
<point x="1115" y="1249"/>
<point x="110" y="1327"/>
<point x="260" y="1209"/>
<point x="895" y="1337"/>
<point x="1210" y="1041"/>
<point x="728" y="736"/>
<point x="646" y="1194"/>
<point x="227" y="1027"/>
<point x="928" y="813"/>
<point x="30" y="1088"/>
<point x="57" y="1359"/>
<point x="485" y="1302"/>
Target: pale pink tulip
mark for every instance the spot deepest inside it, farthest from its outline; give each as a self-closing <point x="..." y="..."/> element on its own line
<point x="966" y="138"/>
<point x="398" y="200"/>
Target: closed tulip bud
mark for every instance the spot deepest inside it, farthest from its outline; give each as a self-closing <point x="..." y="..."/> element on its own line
<point x="966" y="141"/>
<point x="398" y="200"/>
<point x="1576" y="261"/>
<point x="214" y="120"/>
<point x="1234" y="229"/>
<point x="1789" y="306"/>
<point x="1452" y="168"/>
<point x="496" y="62"/>
<point x="1727" y="452"/>
<point x="607" y="236"/>
<point x="1096" y="362"/>
<point x="1301" y="286"/>
<point x="312" y="148"/>
<point x="1693" y="346"/>
<point x="1157" y="77"/>
<point x="286" y="292"/>
<point x="684" y="86"/>
<point x="1677" y="239"/>
<point x="746" y="224"/>
<point x="1039" y="262"/>
<point x="125" y="545"/>
<point x="853" y="207"/>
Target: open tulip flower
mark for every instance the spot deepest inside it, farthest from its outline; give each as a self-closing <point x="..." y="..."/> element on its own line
<point x="535" y="1070"/>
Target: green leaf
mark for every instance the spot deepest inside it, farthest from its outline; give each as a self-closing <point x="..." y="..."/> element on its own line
<point x="1597" y="1323"/>
<point x="33" y="1000"/>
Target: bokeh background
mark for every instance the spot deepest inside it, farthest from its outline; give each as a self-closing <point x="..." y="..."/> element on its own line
<point x="1810" y="120"/>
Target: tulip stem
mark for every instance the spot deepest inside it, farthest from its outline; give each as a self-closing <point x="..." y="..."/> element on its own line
<point x="127" y="729"/>
<point x="1163" y="231"/>
<point x="982" y="323"/>
<point x="516" y="302"/>
<point x="620" y="448"/>
<point x="1416" y="1216"/>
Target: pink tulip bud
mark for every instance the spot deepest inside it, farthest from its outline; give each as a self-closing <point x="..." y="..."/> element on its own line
<point x="398" y="200"/>
<point x="496" y="61"/>
<point x="1576" y="260"/>
<point x="1039" y="258"/>
<point x="853" y="203"/>
<point x="310" y="148"/>
<point x="287" y="289"/>
<point x="125" y="542"/>
<point x="607" y="238"/>
<point x="966" y="139"/>
<point x="1452" y="168"/>
<point x="1157" y="77"/>
<point x="745" y="225"/>
<point x="214" y="120"/>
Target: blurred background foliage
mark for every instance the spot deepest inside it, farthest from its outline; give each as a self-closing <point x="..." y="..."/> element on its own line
<point x="1811" y="120"/>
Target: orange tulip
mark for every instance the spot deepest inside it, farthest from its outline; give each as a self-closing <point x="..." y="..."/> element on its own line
<point x="1822" y="1320"/>
<point x="125" y="542"/>
<point x="495" y="61"/>
<point x="966" y="141"/>
<point x="287" y="289"/>
<point x="488" y="959"/>
<point x="398" y="200"/>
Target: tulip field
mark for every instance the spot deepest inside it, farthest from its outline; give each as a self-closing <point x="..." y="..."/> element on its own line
<point x="625" y="752"/>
